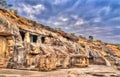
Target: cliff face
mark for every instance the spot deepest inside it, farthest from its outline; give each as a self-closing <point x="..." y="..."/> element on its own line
<point x="29" y="45"/>
<point x="109" y="52"/>
<point x="25" y="44"/>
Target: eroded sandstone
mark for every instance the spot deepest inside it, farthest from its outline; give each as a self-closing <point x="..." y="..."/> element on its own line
<point x="25" y="44"/>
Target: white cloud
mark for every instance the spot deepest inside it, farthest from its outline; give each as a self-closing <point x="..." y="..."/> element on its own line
<point x="97" y="19"/>
<point x="105" y="9"/>
<point x="74" y="16"/>
<point x="115" y="18"/>
<point x="31" y="10"/>
<point x="31" y="16"/>
<point x="113" y="36"/>
<point x="38" y="8"/>
<point x="56" y="2"/>
<point x="79" y="22"/>
<point x="118" y="27"/>
<point x="64" y="19"/>
<point x="57" y="23"/>
<point x="67" y="28"/>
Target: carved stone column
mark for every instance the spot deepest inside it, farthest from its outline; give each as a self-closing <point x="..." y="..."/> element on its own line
<point x="27" y="37"/>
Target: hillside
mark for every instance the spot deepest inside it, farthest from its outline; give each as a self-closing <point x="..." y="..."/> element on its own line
<point x="26" y="44"/>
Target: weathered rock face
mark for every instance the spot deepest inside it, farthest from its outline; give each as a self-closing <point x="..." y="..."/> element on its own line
<point x="24" y="44"/>
<point x="101" y="53"/>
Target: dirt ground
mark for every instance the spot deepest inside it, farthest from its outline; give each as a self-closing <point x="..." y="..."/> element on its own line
<point x="91" y="71"/>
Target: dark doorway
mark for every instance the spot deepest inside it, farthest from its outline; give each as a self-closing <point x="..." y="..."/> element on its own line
<point x="22" y="35"/>
<point x="91" y="58"/>
<point x="42" y="39"/>
<point x="33" y="38"/>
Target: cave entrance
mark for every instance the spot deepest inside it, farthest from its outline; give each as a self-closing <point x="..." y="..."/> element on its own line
<point x="33" y="38"/>
<point x="42" y="39"/>
<point x="22" y="35"/>
<point x="91" y="58"/>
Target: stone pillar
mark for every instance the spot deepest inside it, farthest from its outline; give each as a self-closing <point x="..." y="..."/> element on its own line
<point x="81" y="60"/>
<point x="47" y="63"/>
<point x="10" y="44"/>
<point x="72" y="61"/>
<point x="27" y="37"/>
<point x="87" y="61"/>
<point x="41" y="63"/>
<point x="57" y="61"/>
<point x="47" y="40"/>
<point x="52" y="62"/>
<point x="84" y="60"/>
<point x="39" y="40"/>
<point x="66" y="62"/>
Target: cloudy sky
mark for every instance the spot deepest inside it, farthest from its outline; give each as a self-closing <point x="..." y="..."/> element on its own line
<point x="99" y="18"/>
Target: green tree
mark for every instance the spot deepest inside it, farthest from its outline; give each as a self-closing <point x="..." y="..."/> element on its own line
<point x="91" y="38"/>
<point x="14" y="11"/>
<point x="72" y="33"/>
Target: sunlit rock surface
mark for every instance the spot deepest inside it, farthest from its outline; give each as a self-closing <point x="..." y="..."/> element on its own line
<point x="25" y="44"/>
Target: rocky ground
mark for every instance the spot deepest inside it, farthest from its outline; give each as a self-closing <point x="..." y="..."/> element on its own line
<point x="91" y="71"/>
